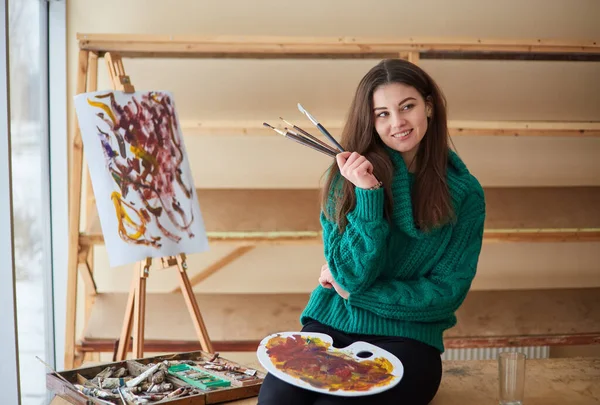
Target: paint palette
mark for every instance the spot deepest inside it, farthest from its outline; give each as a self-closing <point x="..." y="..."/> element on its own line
<point x="309" y="360"/>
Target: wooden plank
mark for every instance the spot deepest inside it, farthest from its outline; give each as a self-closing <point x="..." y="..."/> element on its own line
<point x="148" y="45"/>
<point x="455" y="128"/>
<point x="196" y="401"/>
<point x="86" y="254"/>
<point x="582" y="339"/>
<point x="89" y="346"/>
<point x="139" y="309"/>
<point x="541" y="235"/>
<point x="253" y="238"/>
<point x="413" y="56"/>
<point x="514" y="214"/>
<point x="91" y="86"/>
<point x="69" y="395"/>
<point x="524" y="128"/>
<point x="227" y="396"/>
<point x="486" y="319"/>
<point x="75" y="177"/>
<point x="160" y="346"/>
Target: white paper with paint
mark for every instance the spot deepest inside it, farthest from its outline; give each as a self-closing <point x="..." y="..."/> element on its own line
<point x="141" y="177"/>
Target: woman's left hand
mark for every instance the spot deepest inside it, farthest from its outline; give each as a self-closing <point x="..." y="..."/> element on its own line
<point x="327" y="281"/>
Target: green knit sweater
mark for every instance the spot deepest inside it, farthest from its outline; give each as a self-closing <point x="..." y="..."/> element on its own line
<point x="402" y="282"/>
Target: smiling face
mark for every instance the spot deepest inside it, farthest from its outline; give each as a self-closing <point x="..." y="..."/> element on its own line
<point x="400" y="117"/>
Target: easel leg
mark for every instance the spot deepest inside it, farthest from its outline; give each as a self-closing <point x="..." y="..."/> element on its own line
<point x="192" y="304"/>
<point x="127" y="321"/>
<point x="139" y="313"/>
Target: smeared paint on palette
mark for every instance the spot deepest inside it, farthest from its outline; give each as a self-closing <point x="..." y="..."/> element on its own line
<point x="310" y="361"/>
<point x="140" y="174"/>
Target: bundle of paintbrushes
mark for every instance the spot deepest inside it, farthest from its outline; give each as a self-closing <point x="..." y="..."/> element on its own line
<point x="302" y="137"/>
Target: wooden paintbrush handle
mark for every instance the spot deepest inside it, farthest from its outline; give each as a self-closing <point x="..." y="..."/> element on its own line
<point x="306" y="142"/>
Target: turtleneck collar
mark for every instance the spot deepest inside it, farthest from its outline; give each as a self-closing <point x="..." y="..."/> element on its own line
<point x="402" y="214"/>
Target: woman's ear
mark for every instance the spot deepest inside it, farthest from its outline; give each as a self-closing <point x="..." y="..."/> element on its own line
<point x="429" y="106"/>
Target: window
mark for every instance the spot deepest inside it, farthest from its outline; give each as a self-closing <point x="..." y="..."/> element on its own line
<point x="8" y="353"/>
<point x="28" y="94"/>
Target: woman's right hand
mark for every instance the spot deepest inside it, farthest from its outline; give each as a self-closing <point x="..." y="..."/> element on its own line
<point x="357" y="169"/>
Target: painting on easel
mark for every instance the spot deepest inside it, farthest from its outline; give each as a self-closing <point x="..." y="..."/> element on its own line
<point x="140" y="174"/>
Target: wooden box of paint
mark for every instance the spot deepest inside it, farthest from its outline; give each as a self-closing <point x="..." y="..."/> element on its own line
<point x="140" y="381"/>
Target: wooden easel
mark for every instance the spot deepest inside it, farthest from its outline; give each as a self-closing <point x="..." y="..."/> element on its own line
<point x="135" y="309"/>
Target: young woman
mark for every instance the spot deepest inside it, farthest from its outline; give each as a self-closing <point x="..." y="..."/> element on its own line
<point x="402" y="226"/>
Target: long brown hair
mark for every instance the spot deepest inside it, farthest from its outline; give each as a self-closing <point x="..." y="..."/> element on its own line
<point x="430" y="195"/>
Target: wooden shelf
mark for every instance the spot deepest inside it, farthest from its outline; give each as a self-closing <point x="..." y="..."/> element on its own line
<point x="544" y="214"/>
<point x="529" y="317"/>
<point x="321" y="47"/>
<point x="486" y="319"/>
<point x="455" y="128"/>
<point x="251" y="217"/>
<point x="233" y="320"/>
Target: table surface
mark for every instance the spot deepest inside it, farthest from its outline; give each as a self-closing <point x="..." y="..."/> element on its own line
<point x="573" y="381"/>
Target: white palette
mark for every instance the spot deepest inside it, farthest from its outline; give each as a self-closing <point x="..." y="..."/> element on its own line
<point x="362" y="348"/>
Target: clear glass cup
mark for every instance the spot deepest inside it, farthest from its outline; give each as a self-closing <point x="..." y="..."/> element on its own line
<point x="511" y="369"/>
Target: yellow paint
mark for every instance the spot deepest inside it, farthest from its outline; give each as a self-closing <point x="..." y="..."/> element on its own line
<point x="105" y="108"/>
<point x="122" y="217"/>
<point x="142" y="154"/>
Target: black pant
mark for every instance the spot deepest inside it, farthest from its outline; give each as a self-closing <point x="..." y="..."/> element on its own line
<point x="419" y="384"/>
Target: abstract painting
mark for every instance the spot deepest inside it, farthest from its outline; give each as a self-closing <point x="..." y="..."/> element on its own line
<point x="140" y="175"/>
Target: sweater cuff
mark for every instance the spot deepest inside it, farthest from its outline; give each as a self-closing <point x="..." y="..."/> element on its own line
<point x="361" y="300"/>
<point x="369" y="204"/>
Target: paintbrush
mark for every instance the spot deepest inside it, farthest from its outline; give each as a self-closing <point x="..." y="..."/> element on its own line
<point x="321" y="127"/>
<point x="297" y="128"/>
<point x="301" y="141"/>
<point x="310" y="142"/>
